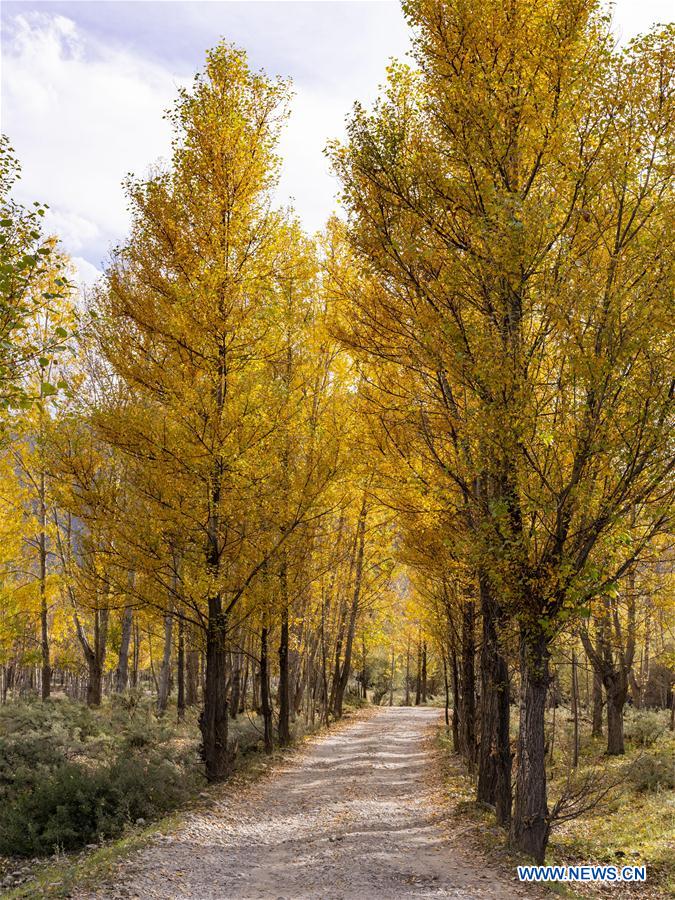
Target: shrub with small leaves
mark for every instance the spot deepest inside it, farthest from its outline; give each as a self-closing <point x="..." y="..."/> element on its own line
<point x="645" y="726"/>
<point x="655" y="771"/>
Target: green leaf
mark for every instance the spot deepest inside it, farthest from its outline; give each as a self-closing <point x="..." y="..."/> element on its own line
<point x="47" y="389"/>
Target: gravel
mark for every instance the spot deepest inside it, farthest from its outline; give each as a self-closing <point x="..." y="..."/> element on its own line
<point x="358" y="815"/>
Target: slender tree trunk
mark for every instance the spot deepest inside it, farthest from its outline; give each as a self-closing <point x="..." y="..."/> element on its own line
<point x="343" y="679"/>
<point x="575" y="712"/>
<point x="391" y="679"/>
<point x="468" y="693"/>
<point x="424" y="672"/>
<point x="265" y="701"/>
<point x="418" y="680"/>
<point x="136" y="656"/>
<point x="597" y="705"/>
<point x="213" y="720"/>
<point x="122" y="670"/>
<point x="494" y="760"/>
<point x="407" y="672"/>
<point x="530" y="824"/>
<point x="165" y="668"/>
<point x="180" y="665"/>
<point x="455" y="702"/>
<point x="236" y="685"/>
<point x="191" y="672"/>
<point x="447" y="692"/>
<point x="284" y="699"/>
<point x="44" y="612"/>
<point x="244" y="687"/>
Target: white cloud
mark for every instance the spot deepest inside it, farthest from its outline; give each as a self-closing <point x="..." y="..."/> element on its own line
<point x="87" y="274"/>
<point x="80" y="116"/>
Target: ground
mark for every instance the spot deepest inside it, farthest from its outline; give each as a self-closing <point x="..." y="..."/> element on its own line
<point x="359" y="813"/>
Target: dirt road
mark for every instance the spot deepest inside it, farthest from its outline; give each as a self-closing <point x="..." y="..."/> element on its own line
<point x="355" y="816"/>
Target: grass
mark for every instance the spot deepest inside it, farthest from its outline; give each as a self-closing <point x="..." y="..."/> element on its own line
<point x="630" y="826"/>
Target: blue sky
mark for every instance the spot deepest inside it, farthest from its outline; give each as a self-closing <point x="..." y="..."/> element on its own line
<point x="84" y="85"/>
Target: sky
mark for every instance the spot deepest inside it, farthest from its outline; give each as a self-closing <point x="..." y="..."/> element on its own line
<point x="84" y="86"/>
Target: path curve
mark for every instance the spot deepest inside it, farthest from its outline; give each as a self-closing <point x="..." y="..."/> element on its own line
<point x="356" y="816"/>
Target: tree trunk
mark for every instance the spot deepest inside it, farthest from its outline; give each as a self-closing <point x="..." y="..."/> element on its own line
<point x="597" y="705"/>
<point x="455" y="702"/>
<point x="407" y="672"/>
<point x="468" y="691"/>
<point x="180" y="665"/>
<point x="424" y="672"/>
<point x="284" y="699"/>
<point x="94" y="681"/>
<point x="530" y="824"/>
<point x="575" y="712"/>
<point x="165" y="668"/>
<point x="136" y="656"/>
<point x="236" y="685"/>
<point x="213" y="720"/>
<point x="391" y="679"/>
<point x="494" y="761"/>
<point x="122" y="670"/>
<point x="616" y="698"/>
<point x="418" y="680"/>
<point x="191" y="675"/>
<point x="446" y="687"/>
<point x="265" y="701"/>
<point x="94" y="654"/>
<point x="44" y="612"/>
<point x="343" y="679"/>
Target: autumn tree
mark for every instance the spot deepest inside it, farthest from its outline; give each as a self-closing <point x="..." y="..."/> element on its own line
<point x="510" y="201"/>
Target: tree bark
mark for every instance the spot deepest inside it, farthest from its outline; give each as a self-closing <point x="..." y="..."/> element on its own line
<point x="95" y="655"/>
<point x="407" y="672"/>
<point x="617" y="690"/>
<point x="456" y="745"/>
<point x="284" y="699"/>
<point x="468" y="691"/>
<point x="213" y="720"/>
<point x="180" y="666"/>
<point x="575" y="712"/>
<point x="236" y="685"/>
<point x="494" y="760"/>
<point x="418" y="679"/>
<point x="424" y="672"/>
<point x="343" y="679"/>
<point x="44" y="612"/>
<point x="596" y="729"/>
<point x="191" y="674"/>
<point x="530" y="824"/>
<point x="265" y="701"/>
<point x="122" y="670"/>
<point x="165" y="668"/>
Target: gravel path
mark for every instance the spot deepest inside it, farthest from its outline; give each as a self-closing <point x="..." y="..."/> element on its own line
<point x="356" y="816"/>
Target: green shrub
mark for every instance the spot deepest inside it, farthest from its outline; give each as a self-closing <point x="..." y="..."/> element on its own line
<point x="644" y="726"/>
<point x="70" y="775"/>
<point x="654" y="771"/>
<point x="75" y="805"/>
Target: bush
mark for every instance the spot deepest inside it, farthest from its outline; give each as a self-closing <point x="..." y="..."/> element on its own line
<point x="75" y="805"/>
<point x="644" y="726"/>
<point x="70" y="776"/>
<point x="654" y="771"/>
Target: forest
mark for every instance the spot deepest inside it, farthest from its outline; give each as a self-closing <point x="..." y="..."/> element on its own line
<point x="254" y="480"/>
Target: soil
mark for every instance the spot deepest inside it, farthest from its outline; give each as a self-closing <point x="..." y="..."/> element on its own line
<point x="358" y="814"/>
